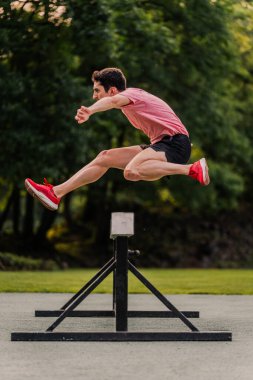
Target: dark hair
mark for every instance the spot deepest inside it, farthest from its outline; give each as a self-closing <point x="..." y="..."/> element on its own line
<point x="110" y="77"/>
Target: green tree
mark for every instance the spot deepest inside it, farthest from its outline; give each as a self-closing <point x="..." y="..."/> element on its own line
<point x="196" y="55"/>
<point x="185" y="53"/>
<point x="242" y="29"/>
<point x="39" y="93"/>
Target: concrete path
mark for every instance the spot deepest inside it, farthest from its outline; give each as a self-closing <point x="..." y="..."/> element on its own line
<point x="127" y="360"/>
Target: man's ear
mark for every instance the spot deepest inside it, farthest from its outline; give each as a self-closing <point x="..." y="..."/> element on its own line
<point x="113" y="91"/>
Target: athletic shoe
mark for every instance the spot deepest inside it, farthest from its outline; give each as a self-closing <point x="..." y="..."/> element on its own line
<point x="44" y="193"/>
<point x="199" y="171"/>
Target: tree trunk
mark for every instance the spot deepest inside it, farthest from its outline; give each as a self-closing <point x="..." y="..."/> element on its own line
<point x="16" y="210"/>
<point x="29" y="217"/>
<point x="67" y="209"/>
<point x="97" y="213"/>
<point x="6" y="211"/>
<point x="47" y="220"/>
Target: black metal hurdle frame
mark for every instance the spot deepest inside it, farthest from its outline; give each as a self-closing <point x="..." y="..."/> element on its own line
<point x="122" y="227"/>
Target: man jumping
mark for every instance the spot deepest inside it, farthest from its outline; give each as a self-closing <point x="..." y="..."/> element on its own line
<point x="167" y="154"/>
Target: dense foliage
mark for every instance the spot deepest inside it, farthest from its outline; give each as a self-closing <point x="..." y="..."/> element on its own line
<point x="196" y="55"/>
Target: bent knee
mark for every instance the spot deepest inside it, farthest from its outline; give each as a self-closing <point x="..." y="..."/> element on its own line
<point x="131" y="175"/>
<point x="104" y="153"/>
<point x="104" y="158"/>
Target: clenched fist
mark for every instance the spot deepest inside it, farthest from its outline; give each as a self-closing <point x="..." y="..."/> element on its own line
<point x="82" y="114"/>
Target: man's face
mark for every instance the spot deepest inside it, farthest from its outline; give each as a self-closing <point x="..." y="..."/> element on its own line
<point x="99" y="91"/>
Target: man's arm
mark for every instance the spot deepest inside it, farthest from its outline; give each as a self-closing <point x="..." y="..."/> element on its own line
<point x="101" y="105"/>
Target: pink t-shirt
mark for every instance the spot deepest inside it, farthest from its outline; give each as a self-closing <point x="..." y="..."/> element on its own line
<point x="151" y="115"/>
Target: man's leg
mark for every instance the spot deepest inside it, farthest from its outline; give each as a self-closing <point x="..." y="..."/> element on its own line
<point x="50" y="196"/>
<point x="150" y="165"/>
<point x="116" y="158"/>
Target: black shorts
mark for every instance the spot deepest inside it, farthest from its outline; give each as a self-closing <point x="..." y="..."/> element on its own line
<point x="177" y="148"/>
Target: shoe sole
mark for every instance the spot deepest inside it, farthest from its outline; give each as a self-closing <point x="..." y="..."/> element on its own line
<point x="206" y="179"/>
<point x="40" y="196"/>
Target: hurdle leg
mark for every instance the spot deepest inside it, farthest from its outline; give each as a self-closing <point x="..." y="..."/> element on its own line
<point x="79" y="313"/>
<point x="90" y="282"/>
<point x="114" y="278"/>
<point x="81" y="297"/>
<point x="161" y="297"/>
<point x="121" y="283"/>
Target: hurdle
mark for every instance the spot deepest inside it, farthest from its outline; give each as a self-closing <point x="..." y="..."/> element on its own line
<point x="122" y="228"/>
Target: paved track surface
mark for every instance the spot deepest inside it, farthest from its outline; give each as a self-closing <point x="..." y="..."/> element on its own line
<point x="127" y="360"/>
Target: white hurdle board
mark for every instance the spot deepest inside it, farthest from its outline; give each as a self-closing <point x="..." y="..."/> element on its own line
<point x="122" y="224"/>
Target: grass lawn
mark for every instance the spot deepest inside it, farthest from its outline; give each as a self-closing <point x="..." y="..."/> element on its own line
<point x="168" y="281"/>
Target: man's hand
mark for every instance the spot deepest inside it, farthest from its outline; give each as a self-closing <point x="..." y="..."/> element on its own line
<point x="82" y="114"/>
<point x="103" y="104"/>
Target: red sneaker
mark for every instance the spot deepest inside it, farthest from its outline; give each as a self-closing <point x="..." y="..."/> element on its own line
<point x="44" y="193"/>
<point x="199" y="171"/>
